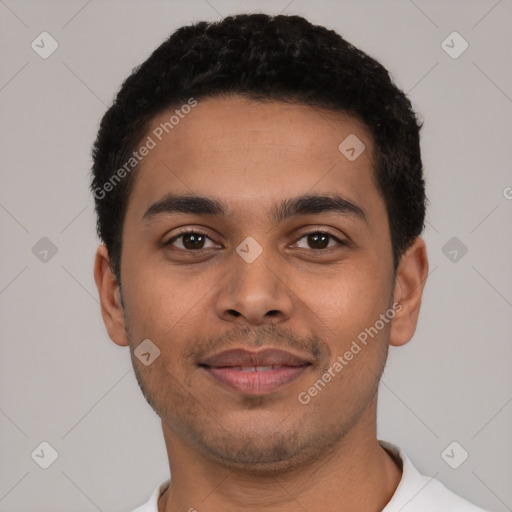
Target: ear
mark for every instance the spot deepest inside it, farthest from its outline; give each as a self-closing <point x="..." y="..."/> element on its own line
<point x="110" y="298"/>
<point x="410" y="281"/>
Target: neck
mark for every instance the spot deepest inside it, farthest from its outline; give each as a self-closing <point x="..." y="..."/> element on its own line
<point x="356" y="473"/>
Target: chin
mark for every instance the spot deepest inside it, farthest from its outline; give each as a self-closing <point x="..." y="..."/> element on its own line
<point x="267" y="455"/>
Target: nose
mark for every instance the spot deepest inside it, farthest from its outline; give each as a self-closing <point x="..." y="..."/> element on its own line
<point x="254" y="292"/>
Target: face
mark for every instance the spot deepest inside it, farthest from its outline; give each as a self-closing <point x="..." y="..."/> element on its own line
<point x="258" y="267"/>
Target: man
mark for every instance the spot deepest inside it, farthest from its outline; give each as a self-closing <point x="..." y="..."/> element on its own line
<point x="259" y="191"/>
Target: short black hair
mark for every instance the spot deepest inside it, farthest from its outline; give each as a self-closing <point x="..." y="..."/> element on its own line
<point x="263" y="57"/>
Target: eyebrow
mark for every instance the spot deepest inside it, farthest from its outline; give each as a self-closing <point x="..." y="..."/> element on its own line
<point x="307" y="204"/>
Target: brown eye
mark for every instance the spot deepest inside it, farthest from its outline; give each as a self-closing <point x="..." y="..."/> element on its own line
<point x="319" y="240"/>
<point x="190" y="240"/>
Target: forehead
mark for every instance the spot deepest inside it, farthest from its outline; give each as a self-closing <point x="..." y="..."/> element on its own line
<point x="249" y="153"/>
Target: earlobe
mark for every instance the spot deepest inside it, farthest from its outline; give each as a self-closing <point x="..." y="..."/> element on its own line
<point x="112" y="309"/>
<point x="410" y="281"/>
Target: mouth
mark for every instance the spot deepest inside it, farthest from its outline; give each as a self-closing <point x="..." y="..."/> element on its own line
<point x="255" y="373"/>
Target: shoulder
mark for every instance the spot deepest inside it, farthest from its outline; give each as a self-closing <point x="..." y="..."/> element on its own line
<point x="152" y="504"/>
<point x="420" y="493"/>
<point x="437" y="494"/>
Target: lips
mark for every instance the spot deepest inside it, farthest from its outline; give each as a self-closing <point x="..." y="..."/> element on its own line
<point x="246" y="358"/>
<point x="255" y="373"/>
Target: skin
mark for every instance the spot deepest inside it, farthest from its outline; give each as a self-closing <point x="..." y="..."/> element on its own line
<point x="228" y="450"/>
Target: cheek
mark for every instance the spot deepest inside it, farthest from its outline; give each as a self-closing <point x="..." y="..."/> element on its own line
<point x="349" y="300"/>
<point x="154" y="304"/>
<point x="347" y="314"/>
<point x="171" y="309"/>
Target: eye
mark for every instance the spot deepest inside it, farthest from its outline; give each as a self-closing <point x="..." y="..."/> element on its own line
<point x="319" y="240"/>
<point x="192" y="240"/>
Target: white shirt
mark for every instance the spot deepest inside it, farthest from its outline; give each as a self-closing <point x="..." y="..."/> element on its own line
<point x="415" y="492"/>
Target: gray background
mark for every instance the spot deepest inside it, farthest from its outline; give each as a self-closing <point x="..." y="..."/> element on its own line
<point x="64" y="382"/>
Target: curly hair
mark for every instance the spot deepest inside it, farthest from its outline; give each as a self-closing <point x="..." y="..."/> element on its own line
<point x="263" y="57"/>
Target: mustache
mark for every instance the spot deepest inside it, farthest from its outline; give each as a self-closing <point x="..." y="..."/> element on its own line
<point x="267" y="335"/>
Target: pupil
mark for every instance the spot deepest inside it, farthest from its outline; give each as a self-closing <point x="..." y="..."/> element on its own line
<point x="315" y="237"/>
<point x="193" y="238"/>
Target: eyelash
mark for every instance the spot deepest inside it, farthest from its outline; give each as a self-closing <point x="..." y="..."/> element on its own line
<point x="199" y="232"/>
